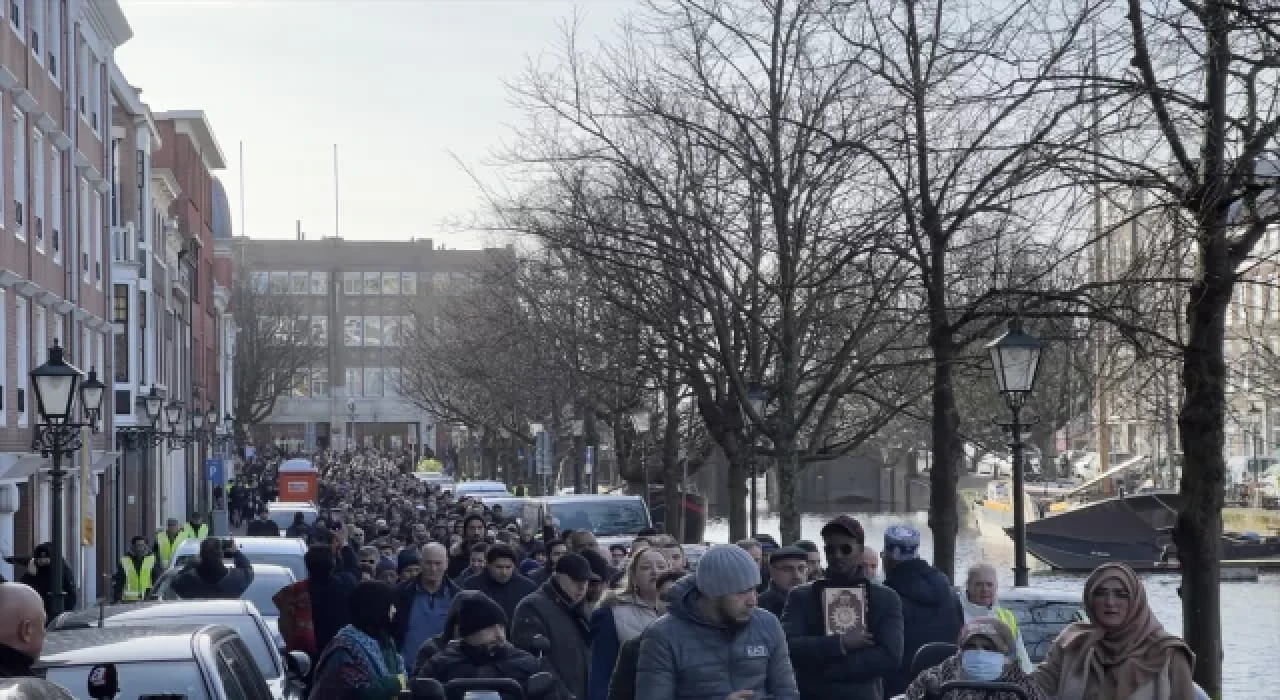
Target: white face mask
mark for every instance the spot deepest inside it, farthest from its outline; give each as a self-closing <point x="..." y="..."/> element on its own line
<point x="982" y="665"/>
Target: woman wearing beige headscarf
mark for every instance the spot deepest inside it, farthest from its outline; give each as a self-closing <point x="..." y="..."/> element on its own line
<point x="1122" y="653"/>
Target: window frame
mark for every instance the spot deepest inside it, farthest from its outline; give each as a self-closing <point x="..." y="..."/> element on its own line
<point x="55" y="203"/>
<point x="18" y="122"/>
<point x="352" y="284"/>
<point x="38" y="187"/>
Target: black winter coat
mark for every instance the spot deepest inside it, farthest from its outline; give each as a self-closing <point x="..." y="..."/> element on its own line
<point x="459" y="660"/>
<point x="507" y="595"/>
<point x="931" y="612"/>
<point x="548" y="612"/>
<point x="823" y="670"/>
<point x="772" y="600"/>
<point x="196" y="583"/>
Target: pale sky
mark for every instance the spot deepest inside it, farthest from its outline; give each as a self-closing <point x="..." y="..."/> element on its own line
<point x="402" y="86"/>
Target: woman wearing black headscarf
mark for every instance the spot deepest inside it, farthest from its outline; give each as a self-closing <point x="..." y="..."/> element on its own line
<point x="362" y="663"/>
<point x="41" y="579"/>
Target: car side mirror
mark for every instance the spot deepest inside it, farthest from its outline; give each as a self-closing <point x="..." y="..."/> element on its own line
<point x="540" y="684"/>
<point x="299" y="663"/>
<point x="540" y="644"/>
<point x="426" y="689"/>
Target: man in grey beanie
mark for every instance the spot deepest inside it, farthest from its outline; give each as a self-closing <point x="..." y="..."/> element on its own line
<point x="713" y="620"/>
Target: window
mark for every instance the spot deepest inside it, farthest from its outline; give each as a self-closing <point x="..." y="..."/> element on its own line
<point x="121" y="306"/>
<point x="95" y="91"/>
<point x="3" y="174"/>
<point x="319" y="283"/>
<point x="406" y="330"/>
<point x="352" y="331"/>
<point x="299" y="282"/>
<point x="261" y="281"/>
<point x="440" y="281"/>
<point x="372" y="283"/>
<point x="390" y="283"/>
<point x="391" y="331"/>
<point x="55" y="202"/>
<point x="84" y="229"/>
<point x="19" y="171"/>
<point x="355" y="381"/>
<point x="82" y="72"/>
<point x="40" y="326"/>
<point x="95" y="237"/>
<point x="351" y="283"/>
<point x="120" y="354"/>
<point x="391" y="381"/>
<point x="320" y="382"/>
<point x="279" y="282"/>
<point x="15" y="16"/>
<point x="37" y="182"/>
<point x="36" y="22"/>
<point x="142" y="335"/>
<point x="300" y="387"/>
<point x="228" y="677"/>
<point x="53" y="37"/>
<point x="319" y="330"/>
<point x="23" y="348"/>
<point x="116" y="146"/>
<point x="372" y="331"/>
<point x="409" y="283"/>
<point x="373" y="381"/>
<point x="4" y="362"/>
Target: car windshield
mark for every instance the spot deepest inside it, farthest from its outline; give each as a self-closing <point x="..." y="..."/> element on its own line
<point x="604" y="518"/>
<point x="284" y="517"/>
<point x="1040" y="621"/>
<point x="170" y="679"/>
<point x="265" y="585"/>
<point x="254" y="636"/>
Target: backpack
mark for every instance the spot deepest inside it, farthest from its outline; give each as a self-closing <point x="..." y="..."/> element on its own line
<point x="297" y="626"/>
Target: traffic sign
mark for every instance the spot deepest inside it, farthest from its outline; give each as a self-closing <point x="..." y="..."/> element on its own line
<point x="213" y="468"/>
<point x="590" y="460"/>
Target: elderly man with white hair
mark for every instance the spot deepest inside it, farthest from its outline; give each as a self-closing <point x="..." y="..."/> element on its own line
<point x="979" y="601"/>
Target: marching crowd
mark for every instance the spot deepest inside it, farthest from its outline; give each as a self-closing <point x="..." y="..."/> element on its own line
<point x="405" y="581"/>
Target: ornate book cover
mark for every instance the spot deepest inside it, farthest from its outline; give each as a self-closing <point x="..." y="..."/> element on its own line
<point x="844" y="608"/>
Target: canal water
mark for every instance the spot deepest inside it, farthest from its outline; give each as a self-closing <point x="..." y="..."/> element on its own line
<point x="1250" y="611"/>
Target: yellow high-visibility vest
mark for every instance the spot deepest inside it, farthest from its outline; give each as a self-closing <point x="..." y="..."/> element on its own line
<point x="136" y="583"/>
<point x="200" y="534"/>
<point x="168" y="546"/>
<point x="1006" y="616"/>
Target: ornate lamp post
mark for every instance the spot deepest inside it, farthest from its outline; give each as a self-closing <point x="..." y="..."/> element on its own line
<point x="756" y="396"/>
<point x="640" y="421"/>
<point x="56" y="384"/>
<point x="1015" y="357"/>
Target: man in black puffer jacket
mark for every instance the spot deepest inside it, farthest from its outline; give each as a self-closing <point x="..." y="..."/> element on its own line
<point x="210" y="578"/>
<point x="931" y="612"/>
<point x="500" y="581"/>
<point x="482" y="650"/>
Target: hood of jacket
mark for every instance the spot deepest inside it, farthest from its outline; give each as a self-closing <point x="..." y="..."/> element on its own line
<point x="920" y="583"/>
<point x="685" y="599"/>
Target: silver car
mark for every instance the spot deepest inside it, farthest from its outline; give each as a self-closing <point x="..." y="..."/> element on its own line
<point x="268" y="579"/>
<point x="278" y="551"/>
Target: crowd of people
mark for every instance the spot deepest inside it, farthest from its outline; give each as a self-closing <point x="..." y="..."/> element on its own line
<point x="405" y="581"/>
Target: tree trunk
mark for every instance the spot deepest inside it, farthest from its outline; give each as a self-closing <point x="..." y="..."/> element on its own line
<point x="671" y="455"/>
<point x="944" y="516"/>
<point x="737" y="491"/>
<point x="788" y="466"/>
<point x="1202" y="419"/>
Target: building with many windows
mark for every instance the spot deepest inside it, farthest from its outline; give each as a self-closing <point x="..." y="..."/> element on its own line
<point x="359" y="297"/>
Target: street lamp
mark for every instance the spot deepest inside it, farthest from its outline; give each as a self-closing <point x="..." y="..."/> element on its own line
<point x="756" y="397"/>
<point x="1015" y="357"/>
<point x="1256" y="463"/>
<point x="640" y="421"/>
<point x="56" y="384"/>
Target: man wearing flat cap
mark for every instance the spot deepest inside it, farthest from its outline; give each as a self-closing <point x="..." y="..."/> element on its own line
<point x="557" y="611"/>
<point x="848" y="665"/>
<point x="713" y="642"/>
<point x="788" y="568"/>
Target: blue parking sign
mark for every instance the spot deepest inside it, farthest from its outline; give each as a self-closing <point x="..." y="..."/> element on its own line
<point x="213" y="467"/>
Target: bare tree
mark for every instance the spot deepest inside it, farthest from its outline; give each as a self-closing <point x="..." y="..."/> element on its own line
<point x="277" y="349"/>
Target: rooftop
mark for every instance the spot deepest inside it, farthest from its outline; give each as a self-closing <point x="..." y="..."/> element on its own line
<point x="195" y="123"/>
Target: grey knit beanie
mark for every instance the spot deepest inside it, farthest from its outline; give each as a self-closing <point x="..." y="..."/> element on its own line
<point x="725" y="569"/>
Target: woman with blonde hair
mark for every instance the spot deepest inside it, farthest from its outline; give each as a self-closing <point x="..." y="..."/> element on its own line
<point x="1122" y="652"/>
<point x="623" y="614"/>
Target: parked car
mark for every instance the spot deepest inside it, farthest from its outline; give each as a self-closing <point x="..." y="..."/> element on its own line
<point x="281" y="676"/>
<point x="191" y="661"/>
<point x="278" y="551"/>
<point x="268" y="579"/>
<point x="463" y="489"/>
<point x="614" y="518"/>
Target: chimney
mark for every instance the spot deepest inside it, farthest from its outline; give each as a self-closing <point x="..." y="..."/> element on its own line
<point x="299" y="227"/>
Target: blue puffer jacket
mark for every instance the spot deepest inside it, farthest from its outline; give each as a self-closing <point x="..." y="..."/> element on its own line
<point x="930" y="613"/>
<point x="685" y="655"/>
<point x="824" y="669"/>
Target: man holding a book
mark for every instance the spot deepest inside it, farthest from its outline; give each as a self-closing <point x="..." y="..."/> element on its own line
<point x="844" y="632"/>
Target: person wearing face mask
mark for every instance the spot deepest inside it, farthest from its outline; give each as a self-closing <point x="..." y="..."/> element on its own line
<point x="1122" y="652"/>
<point x="361" y="663"/>
<point x="557" y="611"/>
<point x="978" y="599"/>
<point x="853" y="664"/>
<point x="713" y="642"/>
<point x="621" y="680"/>
<point x="985" y="654"/>
<point x="481" y="649"/>
<point x="624" y="614"/>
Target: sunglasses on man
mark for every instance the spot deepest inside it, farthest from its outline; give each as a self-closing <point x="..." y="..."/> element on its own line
<point x="842" y="549"/>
